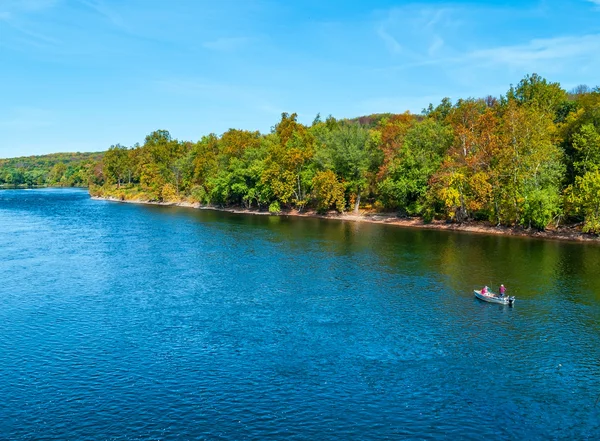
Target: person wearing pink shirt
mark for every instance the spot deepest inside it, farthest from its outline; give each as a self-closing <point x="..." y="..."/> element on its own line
<point x="502" y="291"/>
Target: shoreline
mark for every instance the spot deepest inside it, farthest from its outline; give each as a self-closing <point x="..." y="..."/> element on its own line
<point x="570" y="234"/>
<point x="34" y="187"/>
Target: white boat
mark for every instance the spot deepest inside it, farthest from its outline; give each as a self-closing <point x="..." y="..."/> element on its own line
<point x="494" y="298"/>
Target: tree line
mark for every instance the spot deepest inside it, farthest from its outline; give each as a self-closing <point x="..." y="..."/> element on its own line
<point x="56" y="169"/>
<point x="530" y="157"/>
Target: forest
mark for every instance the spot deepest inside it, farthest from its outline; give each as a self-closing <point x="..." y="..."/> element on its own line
<point x="530" y="157"/>
<point x="56" y="169"/>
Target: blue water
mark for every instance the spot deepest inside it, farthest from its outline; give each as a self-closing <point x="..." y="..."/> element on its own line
<point x="121" y="321"/>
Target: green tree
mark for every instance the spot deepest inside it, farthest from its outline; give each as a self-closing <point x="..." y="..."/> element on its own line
<point x="576" y="141"/>
<point x="586" y="146"/>
<point x="347" y="152"/>
<point x="56" y="173"/>
<point x="440" y="112"/>
<point x="531" y="165"/>
<point x="535" y="91"/>
<point x="115" y="164"/>
<point x="406" y="182"/>
<point x="585" y="200"/>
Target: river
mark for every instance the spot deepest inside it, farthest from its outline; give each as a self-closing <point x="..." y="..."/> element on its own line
<point x="122" y="321"/>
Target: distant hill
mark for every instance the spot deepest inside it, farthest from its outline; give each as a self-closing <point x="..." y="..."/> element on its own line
<point x="64" y="169"/>
<point x="373" y="120"/>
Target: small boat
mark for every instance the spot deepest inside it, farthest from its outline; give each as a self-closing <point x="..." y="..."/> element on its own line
<point x="494" y="298"/>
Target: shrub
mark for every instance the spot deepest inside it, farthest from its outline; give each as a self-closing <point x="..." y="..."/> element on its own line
<point x="274" y="207"/>
<point x="168" y="193"/>
<point x="198" y="194"/>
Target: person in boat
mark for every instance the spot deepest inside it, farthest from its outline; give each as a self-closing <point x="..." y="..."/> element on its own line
<point x="502" y="291"/>
<point x="484" y="291"/>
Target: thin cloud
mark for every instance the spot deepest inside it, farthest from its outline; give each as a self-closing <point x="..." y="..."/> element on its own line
<point x="436" y="45"/>
<point x="435" y="16"/>
<point x="20" y="16"/>
<point x="391" y="43"/>
<point x="108" y="13"/>
<point x="18" y="6"/>
<point x="26" y="35"/>
<point x="11" y="10"/>
<point x="415" y="28"/>
<point x="540" y="52"/>
<point x="433" y="35"/>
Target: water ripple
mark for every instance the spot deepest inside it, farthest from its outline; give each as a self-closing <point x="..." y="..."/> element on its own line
<point x="121" y="322"/>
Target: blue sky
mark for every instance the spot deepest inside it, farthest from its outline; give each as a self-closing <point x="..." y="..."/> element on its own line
<point x="81" y="75"/>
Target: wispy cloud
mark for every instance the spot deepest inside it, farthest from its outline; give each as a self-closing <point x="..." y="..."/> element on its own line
<point x="540" y="52"/>
<point x="449" y="38"/>
<point x="18" y="15"/>
<point x="15" y="6"/>
<point x="34" y="37"/>
<point x="596" y="4"/>
<point x="106" y="12"/>
<point x="435" y="45"/>
<point x="535" y="55"/>
<point x="411" y="28"/>
<point x="13" y="9"/>
<point x="391" y="43"/>
<point x="226" y="44"/>
<point x="10" y="10"/>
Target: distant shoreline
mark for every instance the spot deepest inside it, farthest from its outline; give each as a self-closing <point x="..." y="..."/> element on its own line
<point x="562" y="233"/>
<point x="20" y="186"/>
<point x="31" y="187"/>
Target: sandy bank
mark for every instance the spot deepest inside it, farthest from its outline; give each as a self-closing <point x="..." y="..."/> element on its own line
<point x="561" y="233"/>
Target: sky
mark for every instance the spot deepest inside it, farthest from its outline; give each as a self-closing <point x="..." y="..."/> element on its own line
<point x="82" y="75"/>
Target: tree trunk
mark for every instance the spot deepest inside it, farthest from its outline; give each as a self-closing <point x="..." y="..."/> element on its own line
<point x="357" y="203"/>
<point x="461" y="212"/>
<point x="497" y="210"/>
<point x="300" y="195"/>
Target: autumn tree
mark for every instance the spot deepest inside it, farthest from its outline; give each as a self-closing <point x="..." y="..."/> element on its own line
<point x="287" y="166"/>
<point x="159" y="163"/>
<point x="459" y="183"/>
<point x="328" y="191"/>
<point x="390" y="138"/>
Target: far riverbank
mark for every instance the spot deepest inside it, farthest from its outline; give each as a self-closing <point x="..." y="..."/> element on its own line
<point x="560" y="233"/>
<point x="28" y="187"/>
